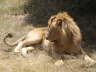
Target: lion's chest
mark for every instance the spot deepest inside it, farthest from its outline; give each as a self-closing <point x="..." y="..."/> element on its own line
<point x="62" y="48"/>
<point x="58" y="47"/>
<point x="48" y="46"/>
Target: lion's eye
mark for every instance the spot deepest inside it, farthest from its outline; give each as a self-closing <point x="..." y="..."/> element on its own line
<point x="59" y="22"/>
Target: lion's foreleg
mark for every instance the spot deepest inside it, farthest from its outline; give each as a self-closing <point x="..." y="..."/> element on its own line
<point x="87" y="58"/>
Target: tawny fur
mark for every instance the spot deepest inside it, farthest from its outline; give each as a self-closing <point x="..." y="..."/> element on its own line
<point x="66" y="35"/>
<point x="62" y="32"/>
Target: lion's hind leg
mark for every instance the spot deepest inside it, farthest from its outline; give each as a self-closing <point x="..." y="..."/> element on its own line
<point x="29" y="41"/>
<point x="25" y="50"/>
<point x="24" y="44"/>
<point x="18" y="47"/>
<point x="22" y="47"/>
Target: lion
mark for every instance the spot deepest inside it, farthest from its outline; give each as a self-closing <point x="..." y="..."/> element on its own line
<point x="27" y="42"/>
<point x="62" y="36"/>
<point x="65" y="34"/>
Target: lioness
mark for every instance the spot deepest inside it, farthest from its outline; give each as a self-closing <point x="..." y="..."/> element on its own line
<point x="62" y="35"/>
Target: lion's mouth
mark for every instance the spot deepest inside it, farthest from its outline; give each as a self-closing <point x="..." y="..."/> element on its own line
<point x="51" y="40"/>
<point x="54" y="41"/>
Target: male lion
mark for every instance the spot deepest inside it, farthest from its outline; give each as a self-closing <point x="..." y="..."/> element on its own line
<point x="27" y="42"/>
<point x="62" y="36"/>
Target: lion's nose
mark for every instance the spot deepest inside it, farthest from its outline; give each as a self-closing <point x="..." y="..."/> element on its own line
<point x="47" y="38"/>
<point x="47" y="35"/>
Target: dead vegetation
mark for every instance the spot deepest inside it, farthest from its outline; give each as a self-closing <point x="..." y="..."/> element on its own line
<point x="39" y="60"/>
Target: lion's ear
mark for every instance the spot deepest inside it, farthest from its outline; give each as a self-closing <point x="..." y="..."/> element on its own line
<point x="59" y="23"/>
<point x="51" y="19"/>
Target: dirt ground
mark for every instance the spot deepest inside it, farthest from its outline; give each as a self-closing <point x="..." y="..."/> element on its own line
<point x="37" y="61"/>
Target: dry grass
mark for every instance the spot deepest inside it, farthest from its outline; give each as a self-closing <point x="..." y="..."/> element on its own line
<point x="37" y="61"/>
<point x="11" y="6"/>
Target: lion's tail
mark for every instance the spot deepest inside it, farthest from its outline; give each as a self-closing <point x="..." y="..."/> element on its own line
<point x="9" y="35"/>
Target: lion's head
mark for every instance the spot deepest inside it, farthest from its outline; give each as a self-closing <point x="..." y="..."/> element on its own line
<point x="63" y="30"/>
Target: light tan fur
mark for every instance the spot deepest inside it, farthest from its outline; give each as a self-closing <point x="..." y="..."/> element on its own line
<point x="65" y="32"/>
<point x="62" y="32"/>
<point x="32" y="38"/>
<point x="66" y="36"/>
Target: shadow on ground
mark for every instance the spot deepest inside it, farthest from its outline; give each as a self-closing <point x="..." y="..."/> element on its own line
<point x="83" y="12"/>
